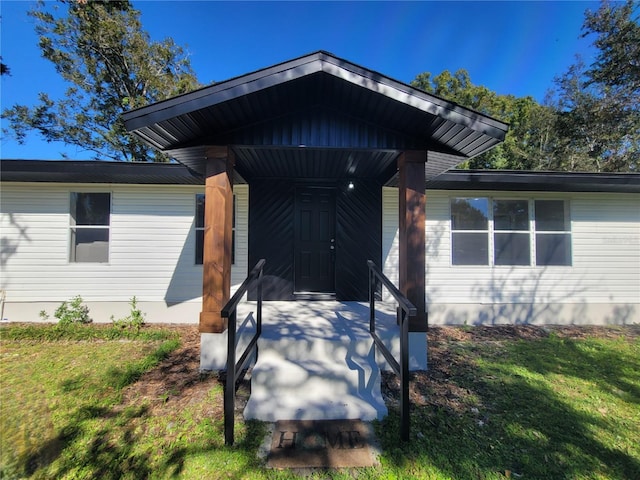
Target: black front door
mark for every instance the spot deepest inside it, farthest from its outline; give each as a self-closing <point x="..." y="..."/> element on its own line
<point x="314" y="245"/>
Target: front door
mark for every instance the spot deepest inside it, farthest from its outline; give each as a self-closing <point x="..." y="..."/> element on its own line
<point x="314" y="245"/>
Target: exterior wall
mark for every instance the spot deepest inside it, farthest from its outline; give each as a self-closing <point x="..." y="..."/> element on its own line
<point x="601" y="287"/>
<point x="152" y="246"/>
<point x="151" y="252"/>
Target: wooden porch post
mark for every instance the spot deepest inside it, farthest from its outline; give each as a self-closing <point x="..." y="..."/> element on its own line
<point x="216" y="259"/>
<point x="412" y="187"/>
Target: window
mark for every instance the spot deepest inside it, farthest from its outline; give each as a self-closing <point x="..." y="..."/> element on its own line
<point x="498" y="232"/>
<point x="470" y="225"/>
<point x="553" y="233"/>
<point x="511" y="232"/>
<point x="90" y="220"/>
<point x="200" y="229"/>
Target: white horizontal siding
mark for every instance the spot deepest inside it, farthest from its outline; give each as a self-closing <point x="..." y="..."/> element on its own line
<point x="390" y="255"/>
<point x="606" y="246"/>
<point x="240" y="269"/>
<point x="151" y="248"/>
<point x="606" y="254"/>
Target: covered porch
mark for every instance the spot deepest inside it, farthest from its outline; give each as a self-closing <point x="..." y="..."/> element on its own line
<point x="315" y="138"/>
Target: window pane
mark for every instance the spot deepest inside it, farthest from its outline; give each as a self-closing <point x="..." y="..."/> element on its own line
<point x="470" y="249"/>
<point x="469" y="213"/>
<point x="199" y="246"/>
<point x="90" y="208"/>
<point x="89" y="245"/>
<point x="200" y="210"/>
<point x="512" y="249"/>
<point x="511" y="214"/>
<point x="550" y="216"/>
<point x="553" y="249"/>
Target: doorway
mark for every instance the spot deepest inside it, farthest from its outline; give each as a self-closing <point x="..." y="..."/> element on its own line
<point x="314" y="240"/>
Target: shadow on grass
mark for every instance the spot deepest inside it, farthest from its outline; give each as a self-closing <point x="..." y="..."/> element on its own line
<point x="80" y="450"/>
<point x="608" y="368"/>
<point x="109" y="453"/>
<point x="102" y="454"/>
<point x="515" y="422"/>
<point x="114" y="441"/>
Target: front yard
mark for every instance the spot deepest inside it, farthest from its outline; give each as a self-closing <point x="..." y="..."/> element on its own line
<point x="502" y="402"/>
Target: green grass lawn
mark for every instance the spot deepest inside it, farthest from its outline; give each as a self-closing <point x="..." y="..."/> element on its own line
<point x="545" y="408"/>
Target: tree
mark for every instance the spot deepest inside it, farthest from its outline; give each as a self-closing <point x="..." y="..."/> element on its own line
<point x="112" y="66"/>
<point x="530" y="137"/>
<point x="599" y="105"/>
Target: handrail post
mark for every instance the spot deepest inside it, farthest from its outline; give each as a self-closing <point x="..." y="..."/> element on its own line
<point x="234" y="370"/>
<point x="259" y="315"/>
<point x="405" y="310"/>
<point x="372" y="301"/>
<point x="230" y="385"/>
<point x="404" y="375"/>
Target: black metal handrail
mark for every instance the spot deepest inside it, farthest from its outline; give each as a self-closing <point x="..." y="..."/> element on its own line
<point x="235" y="370"/>
<point x="405" y="311"/>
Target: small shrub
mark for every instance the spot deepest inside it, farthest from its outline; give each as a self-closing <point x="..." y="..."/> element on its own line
<point x="135" y="319"/>
<point x="72" y="312"/>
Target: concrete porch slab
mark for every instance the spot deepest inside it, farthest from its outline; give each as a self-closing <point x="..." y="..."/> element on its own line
<point x="316" y="320"/>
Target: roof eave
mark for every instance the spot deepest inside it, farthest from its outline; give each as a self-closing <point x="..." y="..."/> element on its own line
<point x="142" y="120"/>
<point x="535" y="181"/>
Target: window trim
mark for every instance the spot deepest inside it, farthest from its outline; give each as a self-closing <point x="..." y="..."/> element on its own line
<point x="532" y="232"/>
<point x="71" y="226"/>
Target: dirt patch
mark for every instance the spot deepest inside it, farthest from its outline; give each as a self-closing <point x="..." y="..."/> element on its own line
<point x="629" y="332"/>
<point x="177" y="381"/>
<point x="528" y="332"/>
<point x="484" y="333"/>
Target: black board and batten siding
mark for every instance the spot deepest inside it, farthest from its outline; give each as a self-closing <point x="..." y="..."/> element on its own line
<point x="358" y="238"/>
<point x="271" y="210"/>
<point x="358" y="234"/>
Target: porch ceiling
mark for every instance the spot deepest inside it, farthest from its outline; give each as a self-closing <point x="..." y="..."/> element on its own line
<point x="318" y="115"/>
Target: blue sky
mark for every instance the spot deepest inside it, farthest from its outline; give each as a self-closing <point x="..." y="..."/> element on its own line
<point x="510" y="47"/>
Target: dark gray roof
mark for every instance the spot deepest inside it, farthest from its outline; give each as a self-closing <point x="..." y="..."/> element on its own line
<point x="174" y="174"/>
<point x="90" y="171"/>
<point x="312" y="103"/>
<point x="514" y="180"/>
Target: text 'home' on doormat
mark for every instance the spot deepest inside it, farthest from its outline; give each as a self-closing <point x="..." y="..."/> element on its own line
<point x="322" y="444"/>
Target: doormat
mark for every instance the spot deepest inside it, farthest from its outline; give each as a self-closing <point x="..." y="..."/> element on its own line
<point x="322" y="444"/>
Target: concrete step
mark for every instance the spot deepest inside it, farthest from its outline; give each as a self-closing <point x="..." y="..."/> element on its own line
<point x="314" y="377"/>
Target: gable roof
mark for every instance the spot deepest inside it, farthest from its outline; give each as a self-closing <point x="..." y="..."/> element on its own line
<point x="311" y="103"/>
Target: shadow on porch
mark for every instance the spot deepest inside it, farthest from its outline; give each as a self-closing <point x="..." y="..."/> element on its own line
<point x="316" y="359"/>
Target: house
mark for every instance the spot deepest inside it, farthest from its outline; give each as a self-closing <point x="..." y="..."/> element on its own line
<point x="318" y="165"/>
